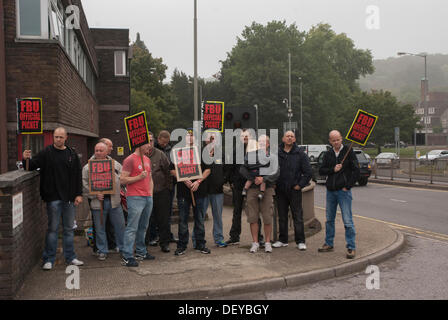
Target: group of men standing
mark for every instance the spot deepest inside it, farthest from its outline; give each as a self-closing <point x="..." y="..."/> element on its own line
<point x="148" y="175"/>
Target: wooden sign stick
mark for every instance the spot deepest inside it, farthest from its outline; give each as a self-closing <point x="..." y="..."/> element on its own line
<point x="349" y="148"/>
<point x="27" y="148"/>
<point x="192" y="198"/>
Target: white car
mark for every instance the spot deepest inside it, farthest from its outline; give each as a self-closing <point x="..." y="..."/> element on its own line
<point x="434" y="154"/>
<point x="385" y="159"/>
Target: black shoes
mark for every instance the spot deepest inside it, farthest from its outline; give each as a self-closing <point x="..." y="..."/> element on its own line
<point x="180" y="251"/>
<point x="204" y="250"/>
<point x="147" y="256"/>
<point x="165" y="248"/>
<point x="232" y="242"/>
<point x="131" y="262"/>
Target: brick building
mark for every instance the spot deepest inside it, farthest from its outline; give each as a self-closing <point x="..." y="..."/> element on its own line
<point x="47" y="50"/>
<point x="435" y="117"/>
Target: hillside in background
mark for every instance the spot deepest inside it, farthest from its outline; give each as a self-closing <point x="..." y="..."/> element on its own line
<point x="401" y="76"/>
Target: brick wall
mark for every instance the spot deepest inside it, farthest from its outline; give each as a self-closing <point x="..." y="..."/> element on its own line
<point x="21" y="248"/>
<point x="108" y="129"/>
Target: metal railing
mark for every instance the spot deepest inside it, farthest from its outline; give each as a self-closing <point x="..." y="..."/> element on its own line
<point x="417" y="170"/>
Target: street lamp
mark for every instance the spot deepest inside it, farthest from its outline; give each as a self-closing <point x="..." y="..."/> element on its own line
<point x="288" y="107"/>
<point x="425" y="104"/>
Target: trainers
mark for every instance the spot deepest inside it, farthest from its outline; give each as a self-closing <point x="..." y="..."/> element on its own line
<point x="76" y="262"/>
<point x="180" y="251"/>
<point x="301" y="246"/>
<point x="255" y="247"/>
<point x="173" y="239"/>
<point x="102" y="256"/>
<point x="279" y="244"/>
<point x="204" y="250"/>
<point x="232" y="242"/>
<point x="147" y="256"/>
<point x="351" y="254"/>
<point x="325" y="248"/>
<point x="221" y="244"/>
<point x="131" y="262"/>
<point x="47" y="266"/>
<point x="267" y="247"/>
<point x="153" y="243"/>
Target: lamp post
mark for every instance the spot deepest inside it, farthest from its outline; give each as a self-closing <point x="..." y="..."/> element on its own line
<point x="288" y="108"/>
<point x="195" y="82"/>
<point x="425" y="98"/>
<point x="301" y="113"/>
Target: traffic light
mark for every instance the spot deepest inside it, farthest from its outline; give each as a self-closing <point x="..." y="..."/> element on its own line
<point x="240" y="117"/>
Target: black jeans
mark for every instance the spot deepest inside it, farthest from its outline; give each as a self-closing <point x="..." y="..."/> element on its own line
<point x="286" y="199"/>
<point x="237" y="201"/>
<point x="160" y="217"/>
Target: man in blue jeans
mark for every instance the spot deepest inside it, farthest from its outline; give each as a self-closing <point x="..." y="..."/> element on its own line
<point x="342" y="172"/>
<point x="61" y="189"/>
<point x="215" y="182"/>
<point x="111" y="203"/>
<point x="139" y="193"/>
<point x="184" y="201"/>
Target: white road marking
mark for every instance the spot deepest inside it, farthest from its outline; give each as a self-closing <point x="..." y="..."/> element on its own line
<point x="396" y="200"/>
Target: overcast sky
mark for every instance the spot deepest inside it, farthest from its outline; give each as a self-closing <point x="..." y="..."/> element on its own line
<point x="166" y="26"/>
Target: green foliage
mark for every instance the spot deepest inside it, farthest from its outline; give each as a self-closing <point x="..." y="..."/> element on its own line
<point x="256" y="72"/>
<point x="390" y="114"/>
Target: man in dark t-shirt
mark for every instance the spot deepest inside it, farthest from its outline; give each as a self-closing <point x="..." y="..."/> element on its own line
<point x="61" y="189"/>
<point x="184" y="202"/>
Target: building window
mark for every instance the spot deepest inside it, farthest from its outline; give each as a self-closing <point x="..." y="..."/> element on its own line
<point x="431" y="110"/>
<point x="30" y="17"/>
<point x="420" y="111"/>
<point x="427" y="120"/>
<point x="56" y="21"/>
<point x="120" y="63"/>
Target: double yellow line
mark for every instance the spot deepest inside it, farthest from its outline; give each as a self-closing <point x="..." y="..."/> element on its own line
<point x="431" y="234"/>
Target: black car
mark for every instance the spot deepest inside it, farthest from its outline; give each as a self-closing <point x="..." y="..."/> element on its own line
<point x="365" y="169"/>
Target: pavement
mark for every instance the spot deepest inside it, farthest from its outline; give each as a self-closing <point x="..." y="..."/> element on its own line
<point x="226" y="271"/>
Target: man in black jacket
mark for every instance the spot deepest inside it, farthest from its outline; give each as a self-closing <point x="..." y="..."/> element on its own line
<point x="295" y="174"/>
<point x="342" y="172"/>
<point x="61" y="189"/>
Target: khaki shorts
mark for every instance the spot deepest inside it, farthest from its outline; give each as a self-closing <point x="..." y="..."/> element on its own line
<point x="254" y="206"/>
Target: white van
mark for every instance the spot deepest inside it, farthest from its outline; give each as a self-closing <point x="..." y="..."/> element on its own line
<point x="314" y="150"/>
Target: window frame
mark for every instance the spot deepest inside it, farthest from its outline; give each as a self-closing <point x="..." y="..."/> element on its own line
<point x="124" y="74"/>
<point x="44" y="32"/>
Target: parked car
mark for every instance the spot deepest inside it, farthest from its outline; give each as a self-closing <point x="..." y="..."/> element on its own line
<point x="433" y="154"/>
<point x="392" y="145"/>
<point x="314" y="150"/>
<point x="387" y="159"/>
<point x="365" y="168"/>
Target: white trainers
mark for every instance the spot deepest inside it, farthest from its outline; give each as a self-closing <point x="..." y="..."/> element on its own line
<point x="279" y="244"/>
<point x="267" y="247"/>
<point x="255" y="247"/>
<point x="301" y="246"/>
<point x="76" y="262"/>
<point x="47" y="266"/>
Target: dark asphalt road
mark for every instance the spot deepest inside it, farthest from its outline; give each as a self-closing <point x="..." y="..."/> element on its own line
<point x="417" y="208"/>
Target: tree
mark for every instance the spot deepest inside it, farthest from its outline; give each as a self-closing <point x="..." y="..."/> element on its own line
<point x="256" y="72"/>
<point x="390" y="114"/>
<point x="148" y="92"/>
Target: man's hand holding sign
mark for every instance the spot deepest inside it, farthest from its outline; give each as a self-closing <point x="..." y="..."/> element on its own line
<point x="188" y="167"/>
<point x="29" y="120"/>
<point x="360" y="131"/>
